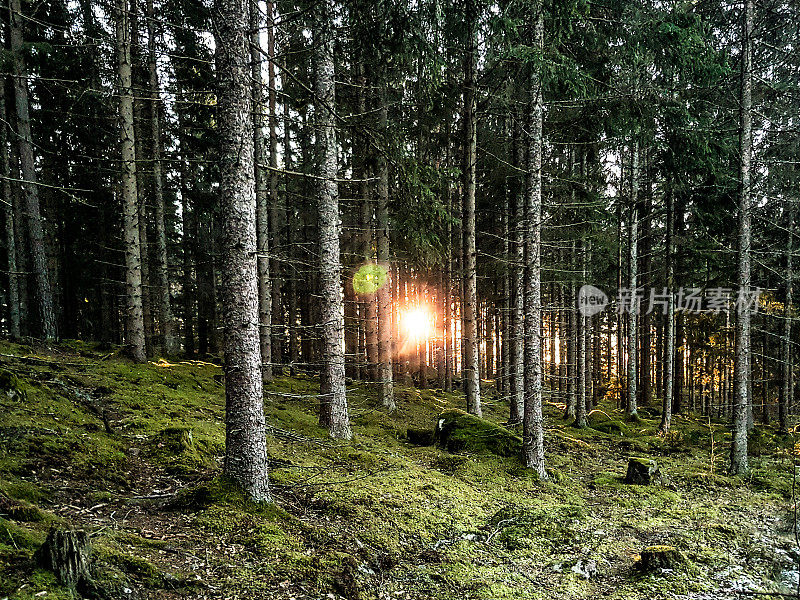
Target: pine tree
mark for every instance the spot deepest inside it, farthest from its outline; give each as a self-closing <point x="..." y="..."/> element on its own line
<point x="245" y="432"/>
<point x="333" y="413"/>
<point x="30" y="185"/>
<point x="263" y="196"/>
<point x="633" y="282"/>
<point x="135" y="335"/>
<point x="164" y="302"/>
<point x="532" y="422"/>
<point x="741" y="406"/>
<point x="14" y="330"/>
<point x="471" y="367"/>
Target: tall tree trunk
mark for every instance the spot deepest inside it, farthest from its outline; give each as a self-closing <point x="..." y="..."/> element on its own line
<point x="352" y="361"/>
<point x="742" y="353"/>
<point x="449" y="354"/>
<point x="8" y="209"/>
<point x="786" y="342"/>
<point x="137" y="93"/>
<point x="369" y="305"/>
<point x="30" y="184"/>
<point x="333" y="413"/>
<point x="291" y="228"/>
<point x="188" y="213"/>
<point x="620" y="354"/>
<point x="669" y="328"/>
<point x="504" y="378"/>
<point x="264" y="181"/>
<point x="130" y="205"/>
<point x="385" y="349"/>
<point x="22" y="243"/>
<point x="471" y="366"/>
<point x="245" y="439"/>
<point x="164" y="304"/>
<point x="646" y="320"/>
<point x="563" y="340"/>
<point x="572" y="338"/>
<point x="532" y="423"/>
<point x="633" y="284"/>
<point x="490" y="368"/>
<point x="517" y="382"/>
<point x="144" y="252"/>
<point x="441" y="336"/>
<point x="582" y="380"/>
<point x="275" y="212"/>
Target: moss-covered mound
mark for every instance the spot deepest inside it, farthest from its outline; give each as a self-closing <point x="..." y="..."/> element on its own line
<point x="458" y="431"/>
<point x="602" y="422"/>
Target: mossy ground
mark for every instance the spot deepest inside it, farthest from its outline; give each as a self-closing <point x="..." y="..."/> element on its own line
<point x="132" y="453"/>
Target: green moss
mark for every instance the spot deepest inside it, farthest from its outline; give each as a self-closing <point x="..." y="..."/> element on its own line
<point x="23" y="490"/>
<point x="376" y="503"/>
<point x="18" y="537"/>
<point x="461" y="432"/>
<point x="519" y="528"/>
<point x="611" y="426"/>
<point x="136" y="566"/>
<point x="11" y="386"/>
<point x="772" y="480"/>
<point x="184" y="452"/>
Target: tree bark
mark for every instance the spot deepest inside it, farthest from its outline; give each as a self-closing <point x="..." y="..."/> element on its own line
<point x="532" y="423"/>
<point x="275" y="212"/>
<point x="8" y="209"/>
<point x="188" y="215"/>
<point x="580" y="406"/>
<point x="135" y="337"/>
<point x="291" y="224"/>
<point x="786" y="342"/>
<point x="517" y="386"/>
<point x="164" y="303"/>
<point x="263" y="200"/>
<point x="742" y="352"/>
<point x="471" y="366"/>
<point x="385" y="345"/>
<point x="245" y="435"/>
<point x="504" y="333"/>
<point x="449" y="354"/>
<point x="30" y="184"/>
<point x="669" y="328"/>
<point x="619" y="319"/>
<point x="369" y="305"/>
<point x="646" y="320"/>
<point x="633" y="259"/>
<point x="572" y="337"/>
<point x="333" y="413"/>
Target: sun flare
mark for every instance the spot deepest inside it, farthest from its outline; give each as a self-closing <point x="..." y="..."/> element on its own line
<point x="417" y="323"/>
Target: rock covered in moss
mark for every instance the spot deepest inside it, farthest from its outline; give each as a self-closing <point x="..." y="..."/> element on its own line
<point x="419" y="437"/>
<point x="642" y="471"/>
<point x="458" y="431"/>
<point x="658" y="558"/>
<point x="182" y="452"/>
<point x="10" y="385"/>
<point x="602" y="422"/>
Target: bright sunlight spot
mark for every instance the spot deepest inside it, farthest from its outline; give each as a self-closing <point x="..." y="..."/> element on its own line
<point x="417" y="323"/>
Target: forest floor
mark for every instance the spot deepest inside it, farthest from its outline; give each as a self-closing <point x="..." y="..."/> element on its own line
<point x="132" y="454"/>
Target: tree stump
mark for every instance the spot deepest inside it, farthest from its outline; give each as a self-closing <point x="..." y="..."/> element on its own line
<point x="641" y="471"/>
<point x="656" y="558"/>
<point x="67" y="553"/>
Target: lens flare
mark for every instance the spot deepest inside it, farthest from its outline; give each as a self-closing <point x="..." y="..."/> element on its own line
<point x="417" y="323"/>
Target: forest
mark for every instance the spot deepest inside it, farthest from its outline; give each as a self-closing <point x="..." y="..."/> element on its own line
<point x="399" y="299"/>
